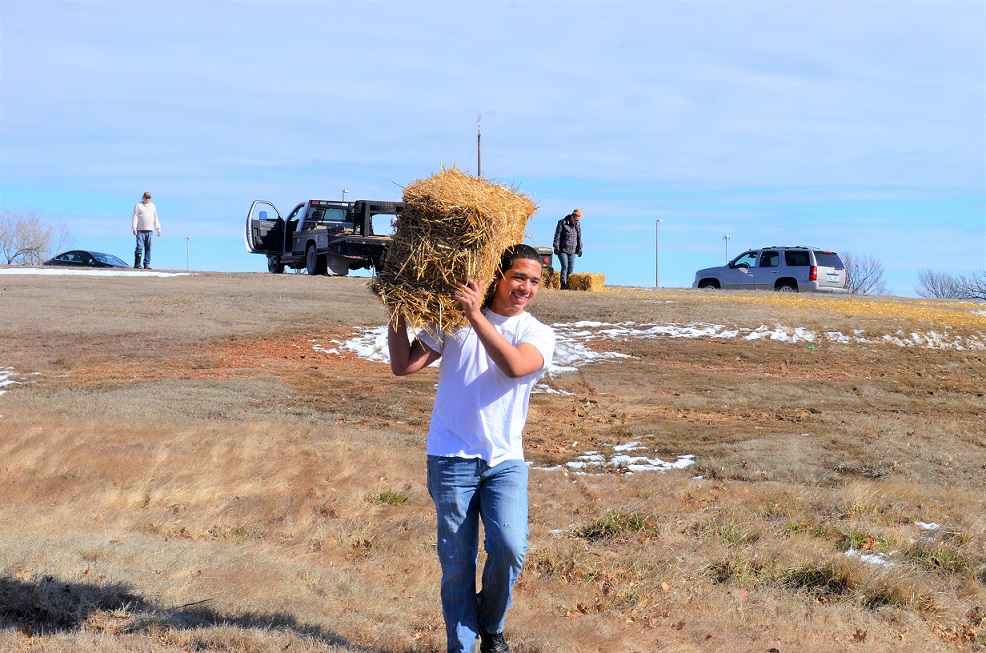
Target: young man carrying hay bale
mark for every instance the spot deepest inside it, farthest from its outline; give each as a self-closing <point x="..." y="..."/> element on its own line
<point x="476" y="468"/>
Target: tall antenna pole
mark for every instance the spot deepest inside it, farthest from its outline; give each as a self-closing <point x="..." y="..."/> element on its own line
<point x="479" y="140"/>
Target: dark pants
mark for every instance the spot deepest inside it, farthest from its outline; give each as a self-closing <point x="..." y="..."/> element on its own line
<point x="143" y="249"/>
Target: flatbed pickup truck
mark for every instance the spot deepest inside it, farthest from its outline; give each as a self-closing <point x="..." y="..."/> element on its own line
<point x="322" y="236"/>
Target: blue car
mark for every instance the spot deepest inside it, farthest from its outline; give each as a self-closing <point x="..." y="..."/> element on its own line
<point x="80" y="258"/>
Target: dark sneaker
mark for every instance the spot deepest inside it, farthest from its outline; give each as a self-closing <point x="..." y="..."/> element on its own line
<point x="492" y="643"/>
<point x="147" y="267"/>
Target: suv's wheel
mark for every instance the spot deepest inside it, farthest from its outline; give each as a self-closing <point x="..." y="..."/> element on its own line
<point x="274" y="264"/>
<point x="787" y="286"/>
<point x="708" y="284"/>
<point x="314" y="264"/>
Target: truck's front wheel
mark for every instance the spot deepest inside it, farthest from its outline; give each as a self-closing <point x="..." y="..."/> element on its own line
<point x="314" y="264"/>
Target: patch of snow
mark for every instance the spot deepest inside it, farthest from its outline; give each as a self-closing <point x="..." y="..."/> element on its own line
<point x="93" y="272"/>
<point x="544" y="388"/>
<point x="7" y="378"/>
<point x="880" y="559"/>
<point x="595" y="462"/>
<point x="573" y="350"/>
<point x="370" y="345"/>
<point x="10" y="377"/>
<point x="631" y="464"/>
<point x="927" y="527"/>
<point x="837" y="336"/>
<point x="573" y="340"/>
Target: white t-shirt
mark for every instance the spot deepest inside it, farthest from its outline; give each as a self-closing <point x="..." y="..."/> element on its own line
<point x="479" y="411"/>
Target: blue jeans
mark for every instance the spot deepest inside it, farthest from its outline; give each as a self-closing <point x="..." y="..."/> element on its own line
<point x="566" y="262"/>
<point x="143" y="248"/>
<point x="466" y="490"/>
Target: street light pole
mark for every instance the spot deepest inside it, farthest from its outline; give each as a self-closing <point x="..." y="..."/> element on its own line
<point x="657" y="254"/>
<point x="187" y="239"/>
<point x="344" y="195"/>
<point x="726" y="238"/>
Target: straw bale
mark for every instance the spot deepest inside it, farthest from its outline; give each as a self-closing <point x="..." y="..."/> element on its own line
<point x="590" y="281"/>
<point x="550" y="279"/>
<point x="454" y="227"/>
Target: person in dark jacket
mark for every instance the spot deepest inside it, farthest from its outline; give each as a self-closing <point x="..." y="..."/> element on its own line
<point x="568" y="244"/>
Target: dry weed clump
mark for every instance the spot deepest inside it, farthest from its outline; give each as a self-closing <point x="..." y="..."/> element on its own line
<point x="454" y="227"/>
<point x="616" y="524"/>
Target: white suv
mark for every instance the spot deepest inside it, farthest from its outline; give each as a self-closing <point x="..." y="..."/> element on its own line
<point x="790" y="269"/>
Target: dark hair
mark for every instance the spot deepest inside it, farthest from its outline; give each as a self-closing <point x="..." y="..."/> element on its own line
<point x="515" y="252"/>
<point x="507" y="259"/>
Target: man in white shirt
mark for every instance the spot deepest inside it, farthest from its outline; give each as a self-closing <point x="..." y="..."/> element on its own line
<point x="144" y="222"/>
<point x="476" y="467"/>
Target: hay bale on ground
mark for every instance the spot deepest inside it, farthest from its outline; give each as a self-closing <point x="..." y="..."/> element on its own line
<point x="454" y="227"/>
<point x="550" y="279"/>
<point x="590" y="281"/>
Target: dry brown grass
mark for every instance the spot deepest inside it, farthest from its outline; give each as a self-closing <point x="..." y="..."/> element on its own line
<point x="189" y="474"/>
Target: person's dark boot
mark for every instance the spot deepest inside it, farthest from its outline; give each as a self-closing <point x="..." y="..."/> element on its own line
<point x="136" y="261"/>
<point x="492" y="642"/>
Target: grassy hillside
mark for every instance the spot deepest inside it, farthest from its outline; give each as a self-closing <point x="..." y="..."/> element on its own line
<point x="199" y="463"/>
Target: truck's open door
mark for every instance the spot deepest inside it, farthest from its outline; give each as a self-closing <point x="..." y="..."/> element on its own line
<point x="264" y="232"/>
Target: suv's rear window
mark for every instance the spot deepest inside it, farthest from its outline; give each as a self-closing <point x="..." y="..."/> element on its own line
<point x="828" y="260"/>
<point x="797" y="258"/>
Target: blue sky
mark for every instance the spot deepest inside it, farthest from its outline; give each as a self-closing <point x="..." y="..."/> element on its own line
<point x="857" y="126"/>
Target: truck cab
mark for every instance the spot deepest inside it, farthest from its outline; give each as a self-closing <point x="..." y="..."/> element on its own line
<point x="322" y="236"/>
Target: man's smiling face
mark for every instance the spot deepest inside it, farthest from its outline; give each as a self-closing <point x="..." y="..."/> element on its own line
<point x="517" y="287"/>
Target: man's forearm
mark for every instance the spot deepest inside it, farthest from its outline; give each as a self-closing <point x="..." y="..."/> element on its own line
<point x="399" y="348"/>
<point x="407" y="357"/>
